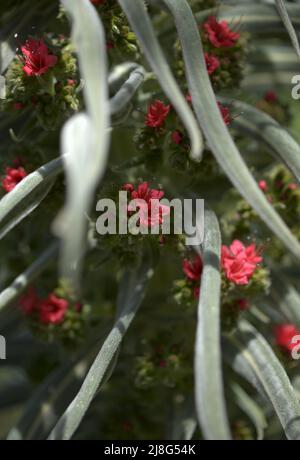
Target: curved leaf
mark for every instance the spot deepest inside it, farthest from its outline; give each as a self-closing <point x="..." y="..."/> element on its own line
<point x="209" y="390"/>
<point x="129" y="300"/>
<point x="120" y="100"/>
<point x="214" y="128"/>
<point x="140" y="22"/>
<point x="255" y="350"/>
<point x="267" y="130"/>
<point x="288" y="25"/>
<point x="11" y="293"/>
<point x="286" y="296"/>
<point x="27" y="195"/>
<point x="251" y="409"/>
<point x="85" y="137"/>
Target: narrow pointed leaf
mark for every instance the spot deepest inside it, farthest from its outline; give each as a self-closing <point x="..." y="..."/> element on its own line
<point x="251" y="409"/>
<point x="265" y="129"/>
<point x="286" y="296"/>
<point x="11" y="293"/>
<point x="256" y="351"/>
<point x="288" y="25"/>
<point x="209" y="390"/>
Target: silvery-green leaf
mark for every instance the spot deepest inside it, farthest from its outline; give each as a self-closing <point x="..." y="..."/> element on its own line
<point x="86" y="136"/>
<point x="140" y="23"/>
<point x="267" y="130"/>
<point x="119" y="73"/>
<point x="27" y="195"/>
<point x="285" y="296"/>
<point x="214" y="128"/>
<point x="256" y="351"/>
<point x="2" y="87"/>
<point x="120" y="100"/>
<point x="71" y="224"/>
<point x="251" y="409"/>
<point x="131" y="293"/>
<point x="209" y="396"/>
<point x="231" y="353"/>
<point x="288" y="25"/>
<point x="22" y="281"/>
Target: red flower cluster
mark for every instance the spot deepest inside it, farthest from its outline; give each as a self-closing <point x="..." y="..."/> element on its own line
<point x="150" y="214"/>
<point x="12" y="177"/>
<point x="51" y="310"/>
<point x="239" y="262"/>
<point x="36" y="58"/>
<point x="284" y="334"/>
<point x="212" y="63"/>
<point x="219" y="34"/>
<point x="157" y="114"/>
<point x="193" y="271"/>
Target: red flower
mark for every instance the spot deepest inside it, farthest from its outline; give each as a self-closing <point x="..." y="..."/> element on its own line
<point x="284" y="334"/>
<point x="177" y="137"/>
<point x="242" y="304"/>
<point x="292" y="186"/>
<point x="18" y="105"/>
<point x="212" y="63"/>
<point x="271" y="97"/>
<point x="12" y="178"/>
<point x="239" y="262"/>
<point x="219" y="34"/>
<point x="263" y="185"/>
<point x="53" y="309"/>
<point x="225" y="112"/>
<point x="193" y="271"/>
<point x="157" y="113"/>
<point x="98" y="2"/>
<point x="193" y="268"/>
<point x="29" y="302"/>
<point x="36" y="58"/>
<point x="143" y="198"/>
